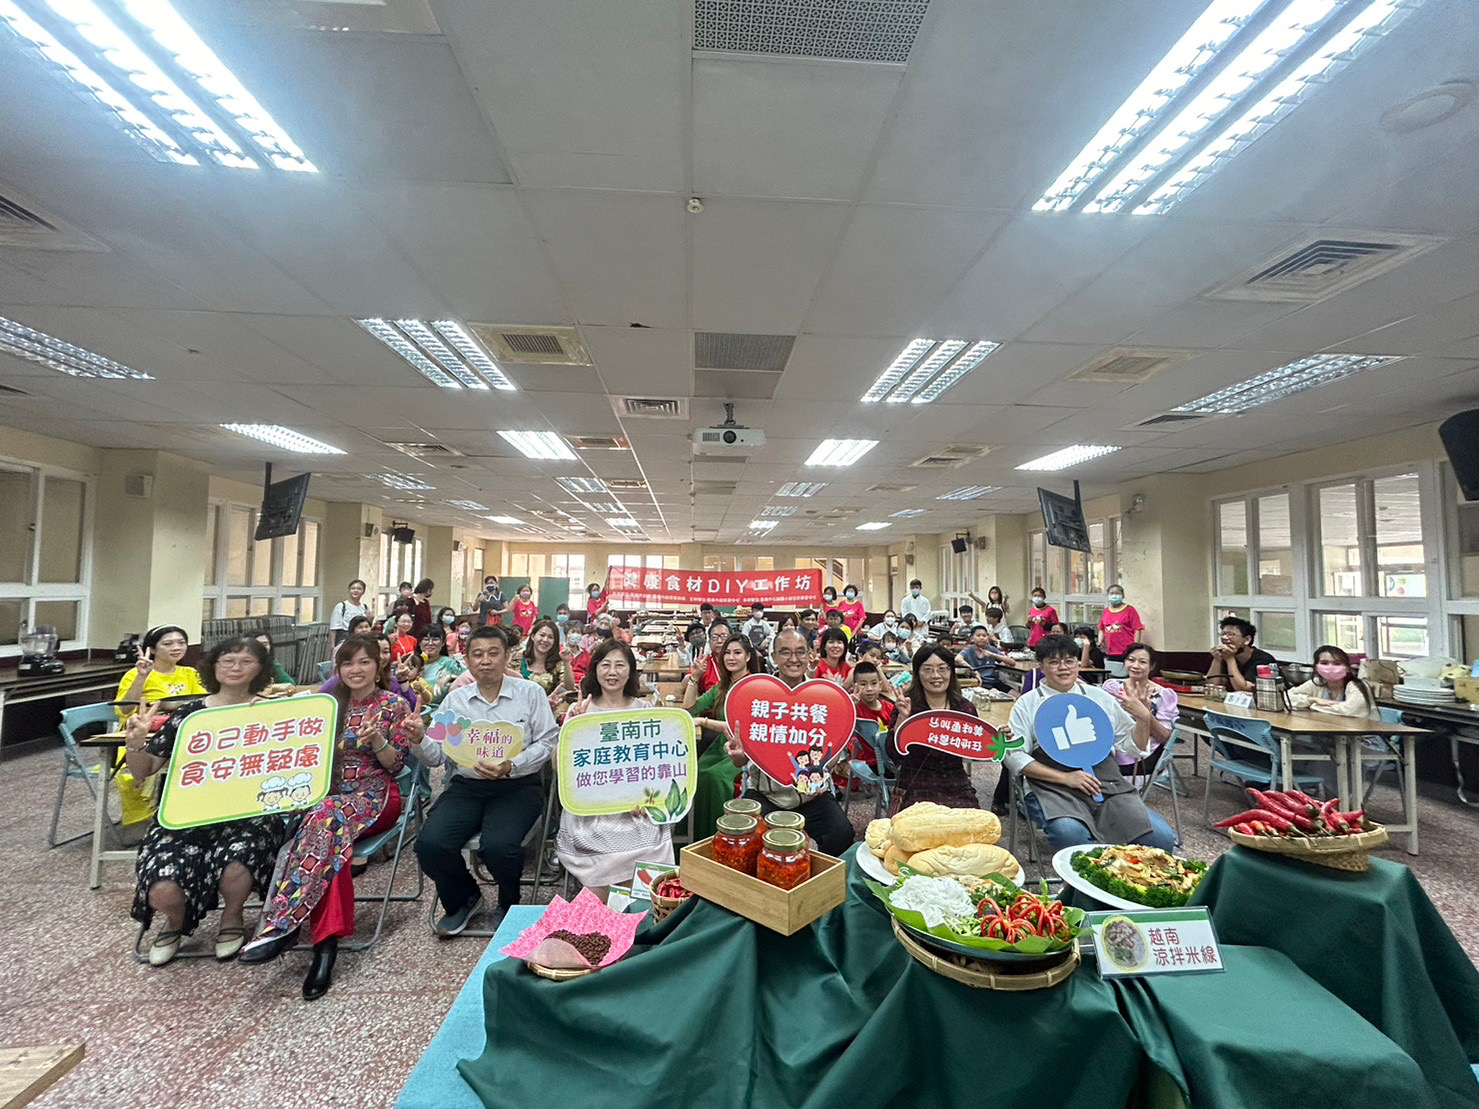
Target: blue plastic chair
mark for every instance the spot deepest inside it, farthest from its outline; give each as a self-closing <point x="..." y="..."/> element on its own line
<point x="1376" y="767"/>
<point x="884" y="779"/>
<point x="324" y="670"/>
<point x="1243" y="732"/>
<point x="92" y="719"/>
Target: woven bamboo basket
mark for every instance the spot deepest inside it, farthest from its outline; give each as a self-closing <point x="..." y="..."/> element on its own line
<point x="982" y="975"/>
<point x="662" y="906"/>
<point x="1350" y="853"/>
<point x="560" y="974"/>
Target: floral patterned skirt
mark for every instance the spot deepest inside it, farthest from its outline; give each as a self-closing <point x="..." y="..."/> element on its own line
<point x="196" y="858"/>
<point x="321" y="848"/>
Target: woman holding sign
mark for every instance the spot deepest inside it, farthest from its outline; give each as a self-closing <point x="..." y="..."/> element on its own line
<point x="182" y="872"/>
<point x="926" y="775"/>
<point x="1073" y="733"/>
<point x="377" y="729"/>
<point x="716" y="770"/>
<point x="603" y="850"/>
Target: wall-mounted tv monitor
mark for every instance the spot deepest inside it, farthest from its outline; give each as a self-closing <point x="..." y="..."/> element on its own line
<point x="282" y="506"/>
<point x="1063" y="520"/>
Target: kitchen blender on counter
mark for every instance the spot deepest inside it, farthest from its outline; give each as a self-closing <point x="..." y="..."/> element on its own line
<point x="38" y="653"/>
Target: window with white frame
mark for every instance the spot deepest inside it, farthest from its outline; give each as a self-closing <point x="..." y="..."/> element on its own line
<point x="260" y="577"/>
<point x="45" y="554"/>
<point x="571" y="566"/>
<point x="398" y="562"/>
<point x="1349" y="561"/>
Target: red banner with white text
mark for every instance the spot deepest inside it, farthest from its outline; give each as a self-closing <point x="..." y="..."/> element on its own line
<point x="633" y="588"/>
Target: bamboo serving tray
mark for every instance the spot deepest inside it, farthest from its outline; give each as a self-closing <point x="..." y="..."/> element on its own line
<point x="987" y="976"/>
<point x="783" y="911"/>
<point x="1350" y="853"/>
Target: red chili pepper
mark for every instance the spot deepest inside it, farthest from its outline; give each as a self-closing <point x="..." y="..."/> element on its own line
<point x="1273" y="819"/>
<point x="1240" y="818"/>
<point x="1302" y="798"/>
<point x="1274" y="802"/>
<point x="1246" y="829"/>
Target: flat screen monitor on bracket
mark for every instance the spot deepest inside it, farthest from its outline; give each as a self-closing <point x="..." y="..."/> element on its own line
<point x="1063" y="519"/>
<point x="282" y="505"/>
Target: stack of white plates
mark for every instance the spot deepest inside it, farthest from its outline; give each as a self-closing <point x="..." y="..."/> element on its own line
<point x="1417" y="696"/>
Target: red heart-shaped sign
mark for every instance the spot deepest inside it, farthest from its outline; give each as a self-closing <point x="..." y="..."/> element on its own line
<point x="781" y="729"/>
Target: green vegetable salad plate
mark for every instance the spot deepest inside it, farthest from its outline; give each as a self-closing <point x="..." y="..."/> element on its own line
<point x="1129" y="876"/>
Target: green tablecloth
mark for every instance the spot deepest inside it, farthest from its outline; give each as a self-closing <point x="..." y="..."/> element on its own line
<point x="713" y="1010"/>
<point x="1374" y="940"/>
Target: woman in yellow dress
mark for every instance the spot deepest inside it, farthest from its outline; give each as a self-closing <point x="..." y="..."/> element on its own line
<point x="156" y="675"/>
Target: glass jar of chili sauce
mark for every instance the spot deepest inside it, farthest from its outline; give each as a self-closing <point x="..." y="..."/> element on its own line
<point x="737" y="843"/>
<point x="784" y="860"/>
<point x="747" y="806"/>
<point x="785" y="818"/>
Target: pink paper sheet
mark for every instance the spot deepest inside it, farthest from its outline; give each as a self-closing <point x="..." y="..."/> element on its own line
<point x="585" y="914"/>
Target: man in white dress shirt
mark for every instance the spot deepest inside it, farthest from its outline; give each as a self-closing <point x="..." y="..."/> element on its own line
<point x="917" y="603"/>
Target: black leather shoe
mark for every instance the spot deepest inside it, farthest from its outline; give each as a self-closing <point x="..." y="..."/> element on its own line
<point x="321" y="970"/>
<point x="268" y="950"/>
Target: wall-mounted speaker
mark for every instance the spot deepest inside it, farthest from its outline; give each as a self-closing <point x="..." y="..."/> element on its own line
<point x="138" y="485"/>
<point x="959" y="544"/>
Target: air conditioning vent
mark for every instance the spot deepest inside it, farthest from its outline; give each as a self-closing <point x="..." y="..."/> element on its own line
<point x="965" y="450"/>
<point x="1324" y="267"/>
<point x="717" y="350"/>
<point x="425" y="450"/>
<point x="1129" y="367"/>
<point x="26" y="226"/>
<point x="599" y="442"/>
<point x="714" y="488"/>
<point x="1171" y="418"/>
<point x="889" y="487"/>
<point x="625" y="484"/>
<point x="543" y="346"/>
<point x="858" y="30"/>
<point x="652" y="408"/>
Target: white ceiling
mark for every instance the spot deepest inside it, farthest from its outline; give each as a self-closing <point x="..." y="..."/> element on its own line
<point x="529" y="162"/>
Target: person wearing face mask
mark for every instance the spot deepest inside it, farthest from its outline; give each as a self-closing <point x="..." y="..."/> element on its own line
<point x="1041" y="618"/>
<point x="491" y="605"/>
<point x="889" y="623"/>
<point x="1335" y="688"/>
<point x="562" y="622"/>
<point x="1119" y="626"/>
<point x="525" y="610"/>
<point x="1087" y="641"/>
<point x="853" y="613"/>
<point x="757" y="629"/>
<point x="917" y="604"/>
<point x="829" y="602"/>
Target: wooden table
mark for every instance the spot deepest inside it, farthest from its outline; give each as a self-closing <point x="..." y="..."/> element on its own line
<point x="28" y="1072"/>
<point x="1460" y="715"/>
<point x="109" y="742"/>
<point x="1345" y="732"/>
<point x="80" y="677"/>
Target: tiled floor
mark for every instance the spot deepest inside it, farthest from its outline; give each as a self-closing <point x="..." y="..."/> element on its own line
<point x="199" y="1033"/>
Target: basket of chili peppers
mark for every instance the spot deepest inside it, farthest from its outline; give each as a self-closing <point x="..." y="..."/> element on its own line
<point x="1293" y="823"/>
<point x="667" y="894"/>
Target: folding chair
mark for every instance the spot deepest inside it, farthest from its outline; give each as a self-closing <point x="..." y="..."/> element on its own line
<point x="1247" y="733"/>
<point x="414" y="782"/>
<point x="91" y="718"/>
<point x="324" y="670"/>
<point x="884" y="779"/>
<point x="1379" y="754"/>
<point x="1017" y="810"/>
<point x="480" y="873"/>
<point x="1161" y="772"/>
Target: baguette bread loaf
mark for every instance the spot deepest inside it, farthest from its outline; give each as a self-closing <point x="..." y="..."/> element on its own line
<point x="878" y="837"/>
<point x="925" y="825"/>
<point x="975" y="859"/>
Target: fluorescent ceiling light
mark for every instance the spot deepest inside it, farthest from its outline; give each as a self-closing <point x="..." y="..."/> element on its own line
<point x="623" y="522"/>
<point x="510" y="521"/>
<point x="286" y="438"/>
<point x="470" y="506"/>
<point x="907" y="513"/>
<point x="778" y="510"/>
<point x="607" y="508"/>
<point x="876" y="525"/>
<point x="1276" y="384"/>
<point x="926" y="368"/>
<point x="1374" y="21"/>
<point x="400" y="481"/>
<point x="539" y="444"/>
<point x="840" y="452"/>
<point x="1068" y="456"/>
<point x="1209" y="97"/>
<point x="191" y="94"/>
<point x="583" y="484"/>
<point x="1182" y="64"/>
<point x="456" y="363"/>
<point x="968" y="493"/>
<point x="763" y="525"/>
<point x="55" y="354"/>
<point x="801" y="489"/>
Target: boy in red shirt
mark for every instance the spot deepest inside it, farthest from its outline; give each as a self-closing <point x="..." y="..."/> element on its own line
<point x="868" y="690"/>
